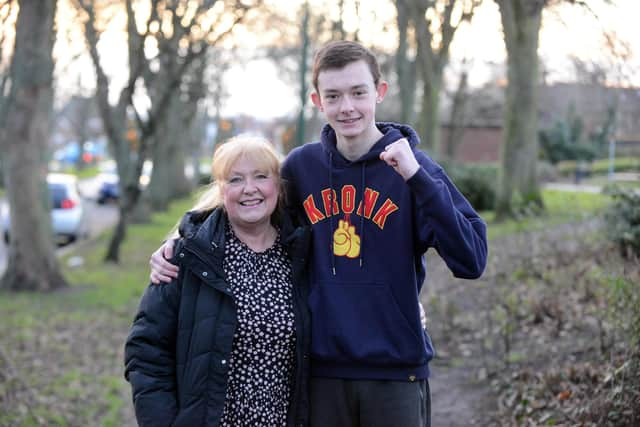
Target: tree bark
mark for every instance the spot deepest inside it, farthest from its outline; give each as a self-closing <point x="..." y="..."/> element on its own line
<point x="517" y="178"/>
<point x="300" y="130"/>
<point x="457" y="118"/>
<point x="406" y="82"/>
<point x="32" y="263"/>
<point x="168" y="181"/>
<point x="429" y="123"/>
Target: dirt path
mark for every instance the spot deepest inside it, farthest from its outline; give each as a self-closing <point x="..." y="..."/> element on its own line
<point x="461" y="396"/>
<point x="469" y="351"/>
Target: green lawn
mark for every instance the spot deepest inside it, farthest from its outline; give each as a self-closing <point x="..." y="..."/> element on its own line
<point x="561" y="207"/>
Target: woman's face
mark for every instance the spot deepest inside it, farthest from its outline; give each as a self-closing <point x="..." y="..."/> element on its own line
<point x="249" y="195"/>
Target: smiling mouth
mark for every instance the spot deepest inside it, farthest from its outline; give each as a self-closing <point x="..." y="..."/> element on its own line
<point x="349" y="121"/>
<point x="250" y="203"/>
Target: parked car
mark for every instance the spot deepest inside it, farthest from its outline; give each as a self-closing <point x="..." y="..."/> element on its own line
<point x="109" y="189"/>
<point x="68" y="213"/>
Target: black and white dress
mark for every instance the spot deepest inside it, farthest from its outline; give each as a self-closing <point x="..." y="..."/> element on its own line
<point x="263" y="355"/>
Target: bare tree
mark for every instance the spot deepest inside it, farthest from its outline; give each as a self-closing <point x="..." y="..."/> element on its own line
<point x="173" y="138"/>
<point x="182" y="33"/>
<point x="304" y="59"/>
<point x="32" y="261"/>
<point x="521" y="20"/>
<point x="405" y="67"/>
<point x="435" y="22"/>
<point x="457" y="118"/>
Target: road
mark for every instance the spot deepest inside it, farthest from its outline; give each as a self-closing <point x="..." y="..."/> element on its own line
<point x="101" y="217"/>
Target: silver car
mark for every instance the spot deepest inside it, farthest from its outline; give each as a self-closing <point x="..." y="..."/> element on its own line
<point x="68" y="213"/>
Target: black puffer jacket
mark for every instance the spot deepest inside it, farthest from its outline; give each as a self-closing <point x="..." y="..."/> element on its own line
<point x="178" y="350"/>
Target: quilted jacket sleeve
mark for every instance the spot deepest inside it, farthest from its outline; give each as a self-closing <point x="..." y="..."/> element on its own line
<point x="150" y="364"/>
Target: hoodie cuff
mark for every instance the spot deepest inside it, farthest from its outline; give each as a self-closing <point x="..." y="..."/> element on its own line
<point x="423" y="185"/>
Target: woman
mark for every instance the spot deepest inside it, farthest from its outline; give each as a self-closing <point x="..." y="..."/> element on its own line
<point x="226" y="342"/>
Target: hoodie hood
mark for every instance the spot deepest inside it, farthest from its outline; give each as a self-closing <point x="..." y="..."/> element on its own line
<point x="391" y="133"/>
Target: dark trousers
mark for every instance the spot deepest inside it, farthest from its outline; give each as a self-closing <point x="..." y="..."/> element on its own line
<point x="369" y="403"/>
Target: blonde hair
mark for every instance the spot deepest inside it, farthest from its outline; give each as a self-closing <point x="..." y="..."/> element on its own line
<point x="255" y="149"/>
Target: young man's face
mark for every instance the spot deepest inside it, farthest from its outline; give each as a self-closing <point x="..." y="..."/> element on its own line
<point x="348" y="97"/>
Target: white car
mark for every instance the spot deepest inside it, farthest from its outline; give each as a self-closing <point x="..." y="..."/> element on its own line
<point x="68" y="213"/>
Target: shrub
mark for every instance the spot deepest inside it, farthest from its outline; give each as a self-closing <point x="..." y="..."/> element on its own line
<point x="565" y="141"/>
<point x="476" y="182"/>
<point x="623" y="220"/>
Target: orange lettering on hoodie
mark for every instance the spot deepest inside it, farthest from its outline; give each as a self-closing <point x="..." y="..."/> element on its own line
<point x="348" y="198"/>
<point x="313" y="213"/>
<point x="329" y="195"/>
<point x="385" y="210"/>
<point x="370" y="199"/>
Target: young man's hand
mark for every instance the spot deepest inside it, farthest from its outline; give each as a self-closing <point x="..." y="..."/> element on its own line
<point x="400" y="156"/>
<point x="161" y="269"/>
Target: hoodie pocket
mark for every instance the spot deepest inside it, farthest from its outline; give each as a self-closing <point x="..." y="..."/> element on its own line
<point x="362" y="322"/>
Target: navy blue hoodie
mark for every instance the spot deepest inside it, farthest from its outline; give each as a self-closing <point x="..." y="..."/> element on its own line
<point x="370" y="232"/>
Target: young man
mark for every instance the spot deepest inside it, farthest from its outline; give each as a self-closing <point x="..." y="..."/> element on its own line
<point x="375" y="204"/>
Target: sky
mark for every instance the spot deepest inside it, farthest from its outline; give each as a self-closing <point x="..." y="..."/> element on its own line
<point x="567" y="31"/>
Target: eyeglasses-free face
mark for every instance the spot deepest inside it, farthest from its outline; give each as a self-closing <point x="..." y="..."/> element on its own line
<point x="249" y="195"/>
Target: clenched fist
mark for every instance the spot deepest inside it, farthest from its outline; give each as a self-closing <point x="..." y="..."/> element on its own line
<point x="400" y="157"/>
<point x="345" y="240"/>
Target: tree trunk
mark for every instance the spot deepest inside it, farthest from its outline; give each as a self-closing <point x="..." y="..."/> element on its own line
<point x="32" y="263"/>
<point x="300" y="130"/>
<point x="433" y="59"/>
<point x="168" y="180"/>
<point x="406" y="82"/>
<point x="159" y="185"/>
<point x="119" y="233"/>
<point x="429" y="123"/>
<point x="521" y="25"/>
<point x="457" y="118"/>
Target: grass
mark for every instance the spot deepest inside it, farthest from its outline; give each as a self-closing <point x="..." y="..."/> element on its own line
<point x="65" y="347"/>
<point x="561" y="207"/>
<point x="601" y="166"/>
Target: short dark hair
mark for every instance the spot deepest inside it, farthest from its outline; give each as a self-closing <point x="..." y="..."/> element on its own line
<point x="339" y="54"/>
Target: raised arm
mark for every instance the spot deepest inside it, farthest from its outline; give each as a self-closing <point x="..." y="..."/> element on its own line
<point x="446" y="220"/>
